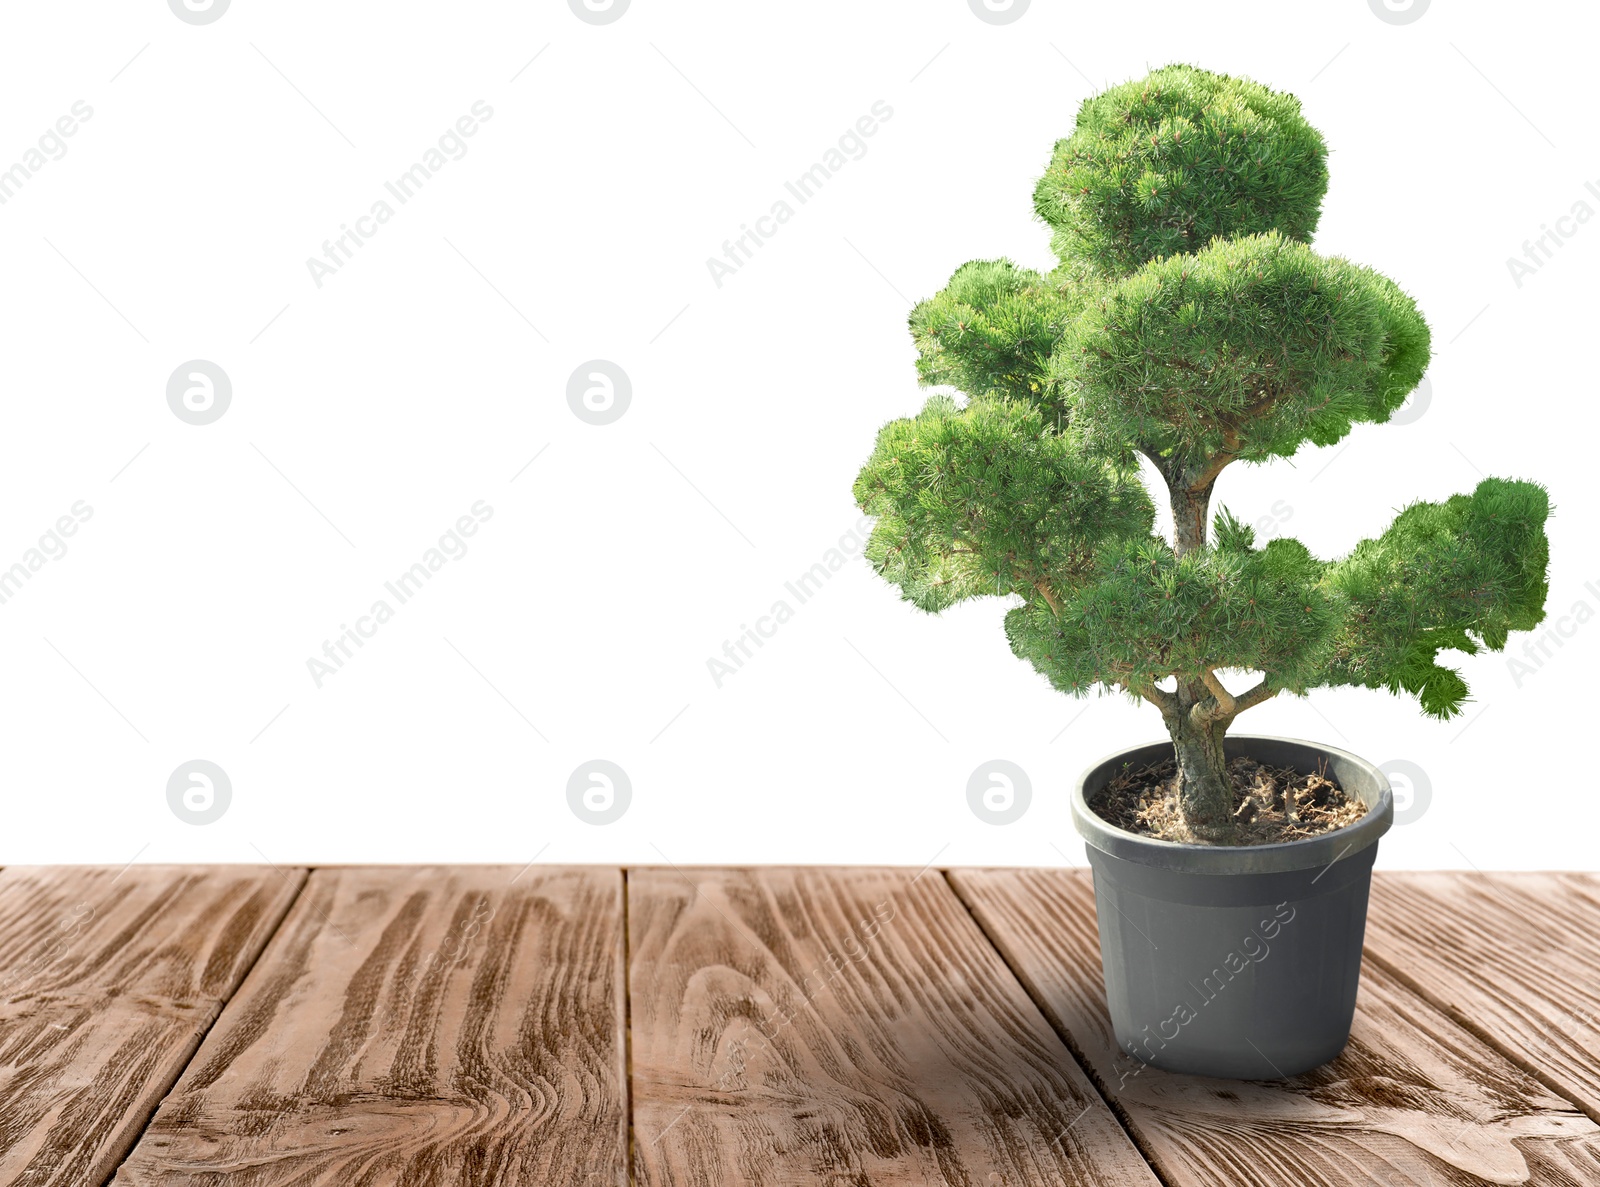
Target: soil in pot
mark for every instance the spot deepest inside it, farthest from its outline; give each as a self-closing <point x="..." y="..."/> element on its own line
<point x="1272" y="804"/>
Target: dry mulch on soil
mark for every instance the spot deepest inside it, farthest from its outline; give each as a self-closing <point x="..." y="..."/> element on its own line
<point x="1144" y="800"/>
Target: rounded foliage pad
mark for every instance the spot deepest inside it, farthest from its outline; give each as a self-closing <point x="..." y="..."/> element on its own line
<point x="1164" y="164"/>
<point x="1250" y="347"/>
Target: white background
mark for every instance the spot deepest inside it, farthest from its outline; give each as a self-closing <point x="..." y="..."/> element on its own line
<point x="579" y="624"/>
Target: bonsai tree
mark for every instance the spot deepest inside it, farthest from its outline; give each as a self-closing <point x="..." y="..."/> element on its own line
<point x="1188" y="322"/>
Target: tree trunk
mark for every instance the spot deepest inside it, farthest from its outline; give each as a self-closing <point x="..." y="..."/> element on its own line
<point x="1190" y="509"/>
<point x="1205" y="793"/>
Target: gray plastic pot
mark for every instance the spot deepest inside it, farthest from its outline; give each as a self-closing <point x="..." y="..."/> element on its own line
<point x="1234" y="961"/>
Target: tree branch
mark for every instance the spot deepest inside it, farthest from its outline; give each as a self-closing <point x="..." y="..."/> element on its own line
<point x="1209" y="475"/>
<point x="1161" y="464"/>
<point x="1038" y="583"/>
<point x="1225" y="706"/>
<point x="1264" y="691"/>
<point x="1159" y="697"/>
<point x="1216" y="707"/>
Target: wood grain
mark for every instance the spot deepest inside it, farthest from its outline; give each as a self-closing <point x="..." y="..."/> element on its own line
<point x="1515" y="958"/>
<point x="419" y="1026"/>
<point x="845" y="1028"/>
<point x="1414" y="1099"/>
<point x="108" y="981"/>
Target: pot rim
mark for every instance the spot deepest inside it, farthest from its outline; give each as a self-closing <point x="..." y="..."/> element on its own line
<point x="1306" y="853"/>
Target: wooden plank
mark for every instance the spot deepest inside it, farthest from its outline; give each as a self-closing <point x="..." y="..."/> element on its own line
<point x="1515" y="958"/>
<point x="415" y="1025"/>
<point x="109" y="978"/>
<point x="845" y="1028"/>
<point x="1414" y="1098"/>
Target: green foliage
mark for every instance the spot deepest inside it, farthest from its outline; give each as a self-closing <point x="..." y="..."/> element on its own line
<point x="1458" y="575"/>
<point x="1250" y="346"/>
<point x="1455" y="575"/>
<point x="985" y="500"/>
<point x="1164" y="164"/>
<point x="1189" y="322"/>
<point x="1151" y="614"/>
<point x="992" y="329"/>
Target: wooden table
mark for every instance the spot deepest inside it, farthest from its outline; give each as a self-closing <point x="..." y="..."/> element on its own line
<point x="212" y="1025"/>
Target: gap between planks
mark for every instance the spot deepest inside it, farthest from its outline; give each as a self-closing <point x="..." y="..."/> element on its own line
<point x="244" y="973"/>
<point x="1521" y="998"/>
<point x="1414" y="1099"/>
<point x="140" y="977"/>
<point x="1487" y="1036"/>
<point x="951" y="878"/>
<point x="1065" y="1036"/>
<point x="915" y="1057"/>
<point x="409" y="1021"/>
<point x="1093" y="1157"/>
<point x="630" y="1155"/>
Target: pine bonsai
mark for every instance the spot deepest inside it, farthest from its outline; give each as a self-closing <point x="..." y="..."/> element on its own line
<point x="1190" y="322"/>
